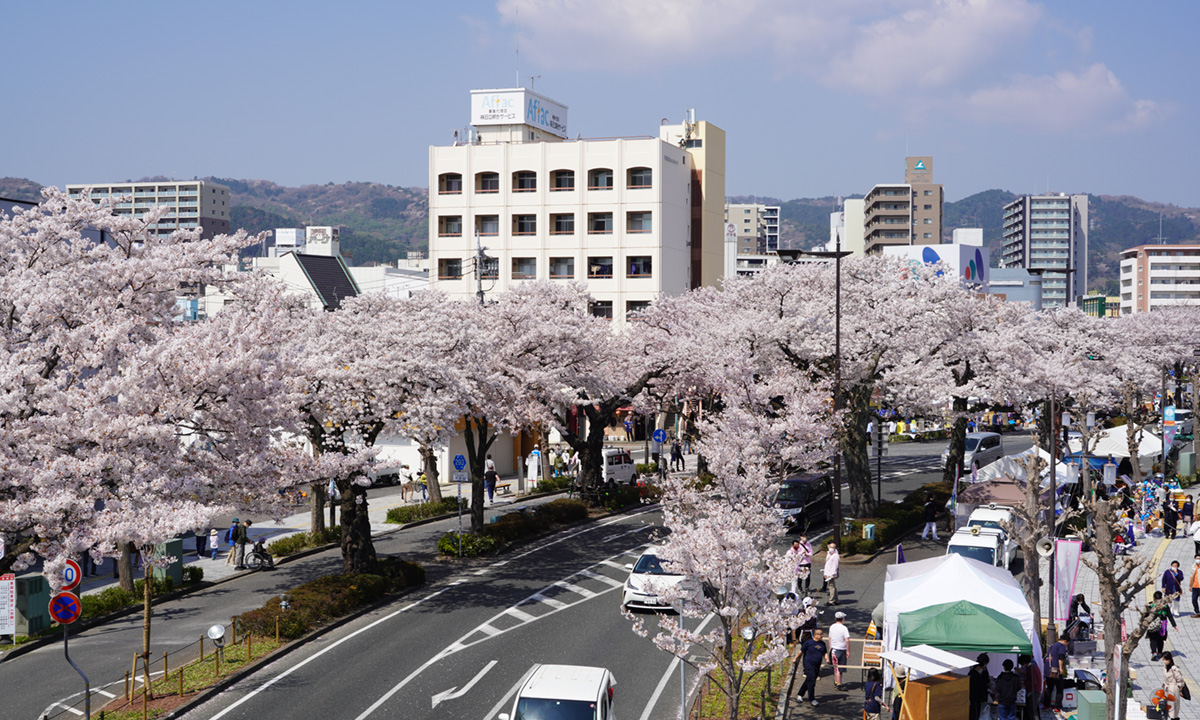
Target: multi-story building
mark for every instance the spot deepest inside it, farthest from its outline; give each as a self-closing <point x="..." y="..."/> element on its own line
<point x="1097" y="305"/>
<point x="907" y="213"/>
<point x="757" y="227"/>
<point x="1157" y="276"/>
<point x="634" y="218"/>
<point x="1048" y="234"/>
<point x="190" y="203"/>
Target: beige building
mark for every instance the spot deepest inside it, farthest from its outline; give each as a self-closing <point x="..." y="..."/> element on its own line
<point x="907" y="213"/>
<point x="191" y="203"/>
<point x="633" y="218"/>
<point x="757" y="227"/>
<point x="1157" y="276"/>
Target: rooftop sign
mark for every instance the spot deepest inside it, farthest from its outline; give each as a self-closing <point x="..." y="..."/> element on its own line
<point x="518" y="107"/>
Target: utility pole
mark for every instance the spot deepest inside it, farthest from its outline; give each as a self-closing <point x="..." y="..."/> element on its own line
<point x="479" y="261"/>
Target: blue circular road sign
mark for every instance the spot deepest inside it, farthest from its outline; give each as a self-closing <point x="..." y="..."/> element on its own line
<point x="660" y="435"/>
<point x="65" y="608"/>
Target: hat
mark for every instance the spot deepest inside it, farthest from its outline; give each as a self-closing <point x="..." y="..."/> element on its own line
<point x="808" y="602"/>
<point x="839" y="615"/>
<point x="236" y="520"/>
<point x="212" y="532"/>
<point x="900" y="671"/>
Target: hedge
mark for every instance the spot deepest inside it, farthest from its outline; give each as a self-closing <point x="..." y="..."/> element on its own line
<point x="321" y="601"/>
<point x="893" y="520"/>
<point x="112" y="599"/>
<point x="294" y="543"/>
<point x="420" y="511"/>
<point x="514" y="526"/>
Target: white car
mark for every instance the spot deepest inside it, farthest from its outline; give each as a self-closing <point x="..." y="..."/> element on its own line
<point x="987" y="545"/>
<point x="647" y="580"/>
<point x="619" y="466"/>
<point x="564" y="692"/>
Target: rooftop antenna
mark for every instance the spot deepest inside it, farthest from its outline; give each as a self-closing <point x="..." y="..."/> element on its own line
<point x="517" y="22"/>
<point x="531" y="79"/>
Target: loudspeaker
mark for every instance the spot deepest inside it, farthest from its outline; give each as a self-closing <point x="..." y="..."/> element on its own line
<point x="1045" y="547"/>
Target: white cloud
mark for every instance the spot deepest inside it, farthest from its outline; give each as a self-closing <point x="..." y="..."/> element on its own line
<point x="1091" y="100"/>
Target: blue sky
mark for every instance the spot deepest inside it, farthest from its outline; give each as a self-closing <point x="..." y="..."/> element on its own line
<point x="817" y="98"/>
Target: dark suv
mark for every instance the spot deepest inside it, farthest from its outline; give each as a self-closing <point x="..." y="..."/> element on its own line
<point x="804" y="500"/>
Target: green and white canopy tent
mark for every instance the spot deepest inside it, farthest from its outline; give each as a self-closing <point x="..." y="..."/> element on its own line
<point x="963" y="626"/>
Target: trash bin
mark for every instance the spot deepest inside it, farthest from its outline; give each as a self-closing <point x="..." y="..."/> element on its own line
<point x="33" y="603"/>
<point x="174" y="570"/>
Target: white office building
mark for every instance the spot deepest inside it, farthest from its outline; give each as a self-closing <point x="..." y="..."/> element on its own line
<point x="190" y="203"/>
<point x="1158" y="276"/>
<point x="1048" y="234"/>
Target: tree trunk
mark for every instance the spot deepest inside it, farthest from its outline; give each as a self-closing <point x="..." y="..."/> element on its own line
<point x="1111" y="607"/>
<point x="479" y="437"/>
<point x="147" y="599"/>
<point x="317" y="520"/>
<point x="857" y="408"/>
<point x="433" y="483"/>
<point x="125" y="567"/>
<point x="958" y="443"/>
<point x="1132" y="430"/>
<point x="358" y="551"/>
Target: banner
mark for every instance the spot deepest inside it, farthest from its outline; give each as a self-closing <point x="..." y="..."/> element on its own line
<point x="1066" y="567"/>
<point x="8" y="604"/>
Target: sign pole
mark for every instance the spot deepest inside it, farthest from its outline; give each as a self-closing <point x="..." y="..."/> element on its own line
<point x="459" y="520"/>
<point x="87" y="686"/>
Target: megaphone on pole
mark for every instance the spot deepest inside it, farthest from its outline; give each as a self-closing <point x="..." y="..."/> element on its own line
<point x="1045" y="547"/>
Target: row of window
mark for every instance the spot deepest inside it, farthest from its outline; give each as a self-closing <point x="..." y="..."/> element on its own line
<point x="598" y="223"/>
<point x="561" y="268"/>
<point x="527" y="180"/>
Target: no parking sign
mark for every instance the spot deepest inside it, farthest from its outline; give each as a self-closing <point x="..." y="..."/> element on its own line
<point x="65" y="608"/>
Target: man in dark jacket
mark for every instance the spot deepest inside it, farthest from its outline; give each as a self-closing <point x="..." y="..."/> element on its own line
<point x="1008" y="684"/>
<point x="931" y="511"/>
<point x="239" y="540"/>
<point x="812" y="654"/>
<point x="980" y="683"/>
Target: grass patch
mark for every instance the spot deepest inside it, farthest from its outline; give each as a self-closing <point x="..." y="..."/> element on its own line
<point x="420" y="511"/>
<point x="755" y="695"/>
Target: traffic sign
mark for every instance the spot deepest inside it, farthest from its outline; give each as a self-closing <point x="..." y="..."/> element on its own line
<point x="660" y="435"/>
<point x="71" y="575"/>
<point x="65" y="608"/>
<point x="460" y="462"/>
<point x="460" y="477"/>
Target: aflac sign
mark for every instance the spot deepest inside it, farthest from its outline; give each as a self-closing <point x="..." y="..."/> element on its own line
<point x="519" y="106"/>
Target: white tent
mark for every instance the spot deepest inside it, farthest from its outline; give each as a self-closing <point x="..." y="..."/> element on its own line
<point x="949" y="578"/>
<point x="1008" y="467"/>
<point x="1114" y="442"/>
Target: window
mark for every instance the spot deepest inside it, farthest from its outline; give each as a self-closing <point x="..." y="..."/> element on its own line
<point x="693" y="143"/>
<point x="449" y="268"/>
<point x="524" y="224"/>
<point x="450" y="226"/>
<point x="490" y="269"/>
<point x="638" y="266"/>
<point x="524" y="268"/>
<point x="600" y="267"/>
<point x="928" y="235"/>
<point x="487" y="182"/>
<point x="928" y="221"/>
<point x="640" y="177"/>
<point x="600" y="179"/>
<point x="524" y="181"/>
<point x="562" y="224"/>
<point x="930" y="207"/>
<point x="601" y="309"/>
<point x="928" y="192"/>
<point x="635" y="306"/>
<point x="637" y="222"/>
<point x="562" y="180"/>
<point x="449" y="184"/>
<point x="562" y="268"/>
<point x="487" y="225"/>
<point x="600" y="223"/>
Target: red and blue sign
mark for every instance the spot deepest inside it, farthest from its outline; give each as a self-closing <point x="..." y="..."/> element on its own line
<point x="65" y="608"/>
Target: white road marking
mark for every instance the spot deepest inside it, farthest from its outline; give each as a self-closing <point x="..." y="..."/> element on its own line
<point x="612" y="582"/>
<point x="318" y="654"/>
<point x="68" y="708"/>
<point x="616" y="565"/>
<point x="556" y="604"/>
<point x="105" y="693"/>
<point x="670" y="673"/>
<point x="454" y="692"/>
<point x="520" y="614"/>
<point x="488" y="630"/>
<point x="575" y="588"/>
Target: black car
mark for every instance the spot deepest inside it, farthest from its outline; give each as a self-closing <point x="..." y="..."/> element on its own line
<point x="804" y="500"/>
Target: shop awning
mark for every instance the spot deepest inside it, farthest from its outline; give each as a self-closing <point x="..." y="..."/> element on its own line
<point x="926" y="659"/>
<point x="963" y="626"/>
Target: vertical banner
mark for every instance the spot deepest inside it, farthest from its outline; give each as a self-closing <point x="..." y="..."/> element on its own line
<point x="8" y="604"/>
<point x="1066" y="567"/>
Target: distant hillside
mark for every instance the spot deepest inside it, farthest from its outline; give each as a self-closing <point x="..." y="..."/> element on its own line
<point x="379" y="223"/>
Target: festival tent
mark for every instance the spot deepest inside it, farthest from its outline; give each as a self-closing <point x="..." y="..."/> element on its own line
<point x="1009" y="467"/>
<point x="963" y="625"/>
<point x="950" y="578"/>
<point x="1004" y="492"/>
<point x="1114" y="442"/>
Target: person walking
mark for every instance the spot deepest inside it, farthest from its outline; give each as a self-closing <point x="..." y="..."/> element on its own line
<point x="800" y="556"/>
<point x="489" y="483"/>
<point x="1158" y="628"/>
<point x="214" y="544"/>
<point x="1194" y="585"/>
<point x="1173" y="682"/>
<point x="1008" y="686"/>
<point x="677" y="463"/>
<point x="1056" y="673"/>
<point x="873" y="689"/>
<point x="230" y="539"/>
<point x="1170" y="519"/>
<point x="1172" y="584"/>
<point x="628" y="429"/>
<point x="979" y="685"/>
<point x="243" y="533"/>
<point x="833" y="562"/>
<point x="1187" y="513"/>
<point x="931" y="511"/>
<point x="201" y="542"/>
<point x="839" y="647"/>
<point x="1031" y="681"/>
<point x="811" y="654"/>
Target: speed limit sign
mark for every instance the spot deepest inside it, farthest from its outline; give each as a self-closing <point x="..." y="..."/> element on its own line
<point x="71" y="576"/>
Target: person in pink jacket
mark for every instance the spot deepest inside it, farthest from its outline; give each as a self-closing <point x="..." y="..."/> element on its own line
<point x="832" y="561"/>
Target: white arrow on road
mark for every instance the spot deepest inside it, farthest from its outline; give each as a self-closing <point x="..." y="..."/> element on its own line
<point x="454" y="692"/>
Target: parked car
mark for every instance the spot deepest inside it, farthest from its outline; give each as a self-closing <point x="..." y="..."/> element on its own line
<point x="564" y="692"/>
<point x="619" y="466"/>
<point x="981" y="448"/>
<point x="803" y="500"/>
<point x="987" y="545"/>
<point x="647" y="579"/>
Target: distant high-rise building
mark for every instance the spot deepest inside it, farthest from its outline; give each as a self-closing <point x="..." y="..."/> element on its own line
<point x="190" y="203"/>
<point x="757" y="227"/>
<point x="908" y="213"/>
<point x="1048" y="234"/>
<point x="1158" y="276"/>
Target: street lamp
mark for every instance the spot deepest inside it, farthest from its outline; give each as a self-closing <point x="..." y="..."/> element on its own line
<point x="837" y="254"/>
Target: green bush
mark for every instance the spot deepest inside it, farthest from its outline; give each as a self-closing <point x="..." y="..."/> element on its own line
<point x="296" y="542"/>
<point x="555" y="484"/>
<point x="867" y="547"/>
<point x="472" y="545"/>
<point x="314" y="604"/>
<point x="562" y="510"/>
<point x="108" y="600"/>
<point x="420" y="511"/>
<point x="402" y="573"/>
<point x="514" y="526"/>
<point x="646" y="469"/>
<point x="192" y="574"/>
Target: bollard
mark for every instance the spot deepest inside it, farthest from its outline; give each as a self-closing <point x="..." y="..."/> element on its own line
<point x="276" y="629"/>
<point x="233" y="631"/>
<point x="166" y="670"/>
<point x="126" y="688"/>
<point x="201" y="647"/>
<point x="180" y="682"/>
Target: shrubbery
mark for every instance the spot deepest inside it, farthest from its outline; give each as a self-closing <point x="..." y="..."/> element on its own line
<point x="112" y="599"/>
<point x="420" y="511"/>
<point x="554" y="484"/>
<point x="472" y="545"/>
<point x="514" y="526"/>
<point x="294" y="543"/>
<point x="893" y="520"/>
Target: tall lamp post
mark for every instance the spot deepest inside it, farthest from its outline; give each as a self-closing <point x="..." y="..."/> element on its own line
<point x="836" y="254"/>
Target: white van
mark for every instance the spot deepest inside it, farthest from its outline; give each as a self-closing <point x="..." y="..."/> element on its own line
<point x="619" y="466"/>
<point x="980" y="448"/>
<point x="564" y="692"/>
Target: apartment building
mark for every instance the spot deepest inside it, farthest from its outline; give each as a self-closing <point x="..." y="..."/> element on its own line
<point x="633" y="218"/>
<point x="757" y="227"/>
<point x="1158" y="276"/>
<point x="907" y="213"/>
<point x="1048" y="234"/>
<point x="190" y="204"/>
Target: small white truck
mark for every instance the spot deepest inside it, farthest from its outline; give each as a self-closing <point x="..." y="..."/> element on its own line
<point x="984" y="539"/>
